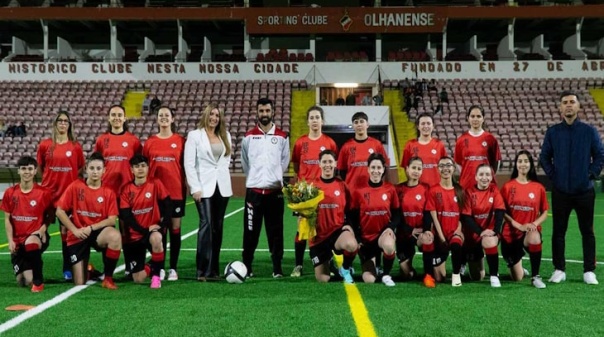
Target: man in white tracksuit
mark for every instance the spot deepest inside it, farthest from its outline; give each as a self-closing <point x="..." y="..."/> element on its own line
<point x="264" y="157"/>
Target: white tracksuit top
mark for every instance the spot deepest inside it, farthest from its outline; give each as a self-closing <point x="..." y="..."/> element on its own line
<point x="264" y="158"/>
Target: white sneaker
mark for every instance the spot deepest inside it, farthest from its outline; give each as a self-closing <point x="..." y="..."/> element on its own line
<point x="537" y="282"/>
<point x="172" y="275"/>
<point x="590" y="278"/>
<point x="297" y="272"/>
<point x="495" y="282"/>
<point x="558" y="276"/>
<point x="462" y="270"/>
<point x="162" y="274"/>
<point x="456" y="280"/>
<point x="387" y="280"/>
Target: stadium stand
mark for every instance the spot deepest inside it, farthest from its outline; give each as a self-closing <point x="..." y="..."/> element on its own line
<point x="36" y="104"/>
<point x="28" y="58"/>
<point x="63" y="3"/>
<point x="31" y="3"/>
<point x="506" y="102"/>
<point x="407" y="55"/>
<point x="518" y="112"/>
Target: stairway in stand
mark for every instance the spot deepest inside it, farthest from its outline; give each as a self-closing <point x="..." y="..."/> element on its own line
<point x="401" y="127"/>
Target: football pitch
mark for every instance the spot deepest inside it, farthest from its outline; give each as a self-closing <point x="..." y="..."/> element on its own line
<point x="300" y="306"/>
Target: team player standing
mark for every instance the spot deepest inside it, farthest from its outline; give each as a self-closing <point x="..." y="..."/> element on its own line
<point x="165" y="152"/>
<point x="60" y="160"/>
<point x="365" y="214"/>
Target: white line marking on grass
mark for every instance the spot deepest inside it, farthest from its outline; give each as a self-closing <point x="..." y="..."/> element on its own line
<point x="40" y="308"/>
<point x="67" y="294"/>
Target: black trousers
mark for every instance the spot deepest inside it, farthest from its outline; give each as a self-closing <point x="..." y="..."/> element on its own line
<point x="562" y="205"/>
<point x="270" y="208"/>
<point x="209" y="235"/>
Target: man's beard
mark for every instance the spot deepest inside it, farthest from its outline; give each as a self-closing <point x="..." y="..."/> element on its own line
<point x="265" y="121"/>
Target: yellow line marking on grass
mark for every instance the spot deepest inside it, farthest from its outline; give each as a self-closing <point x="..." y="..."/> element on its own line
<point x="359" y="311"/>
<point x="357" y="307"/>
<point x="15" y="321"/>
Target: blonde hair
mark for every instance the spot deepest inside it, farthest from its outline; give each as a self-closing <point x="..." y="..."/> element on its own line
<point x="220" y="130"/>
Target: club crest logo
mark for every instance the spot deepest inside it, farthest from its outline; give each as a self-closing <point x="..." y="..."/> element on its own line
<point x="346" y="21"/>
<point x="384" y="197"/>
<point x="433" y="151"/>
<point x="148" y="195"/>
<point x="33" y="203"/>
<point x="532" y="195"/>
<point x="491" y="200"/>
<point x="125" y="144"/>
<point x="484" y="144"/>
<point x="336" y="193"/>
<point x="68" y="153"/>
<point x="173" y="145"/>
<point x="418" y="197"/>
<point x="100" y="200"/>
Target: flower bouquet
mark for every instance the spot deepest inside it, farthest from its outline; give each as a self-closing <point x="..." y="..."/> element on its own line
<point x="304" y="198"/>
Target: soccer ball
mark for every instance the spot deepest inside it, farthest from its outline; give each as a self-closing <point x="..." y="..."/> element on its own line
<point x="235" y="272"/>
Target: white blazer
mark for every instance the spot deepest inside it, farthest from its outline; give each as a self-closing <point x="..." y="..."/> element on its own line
<point x="202" y="171"/>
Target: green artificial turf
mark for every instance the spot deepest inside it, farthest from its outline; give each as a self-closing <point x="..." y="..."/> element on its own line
<point x="302" y="307"/>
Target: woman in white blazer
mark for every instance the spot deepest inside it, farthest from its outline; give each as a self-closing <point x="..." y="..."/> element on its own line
<point x="207" y="159"/>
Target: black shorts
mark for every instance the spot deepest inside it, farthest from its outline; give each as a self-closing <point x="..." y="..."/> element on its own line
<point x="19" y="258"/>
<point x="440" y="255"/>
<point x="473" y="252"/>
<point x="137" y="254"/>
<point x="178" y="210"/>
<point x="81" y="250"/>
<point x="405" y="248"/>
<point x="369" y="250"/>
<point x="512" y="252"/>
<point x="324" y="250"/>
